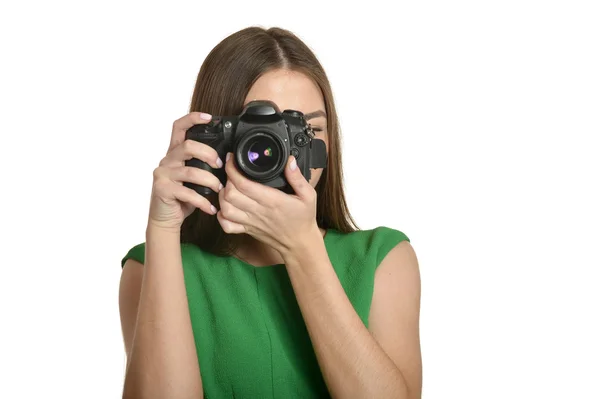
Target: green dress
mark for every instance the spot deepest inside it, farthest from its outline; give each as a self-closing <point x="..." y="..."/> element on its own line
<point x="250" y="336"/>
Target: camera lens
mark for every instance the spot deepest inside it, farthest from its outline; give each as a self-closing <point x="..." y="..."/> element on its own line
<point x="261" y="155"/>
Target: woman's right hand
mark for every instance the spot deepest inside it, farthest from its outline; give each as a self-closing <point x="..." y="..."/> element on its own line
<point x="171" y="202"/>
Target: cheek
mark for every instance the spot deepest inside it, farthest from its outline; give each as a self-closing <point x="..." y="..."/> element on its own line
<point x="315" y="175"/>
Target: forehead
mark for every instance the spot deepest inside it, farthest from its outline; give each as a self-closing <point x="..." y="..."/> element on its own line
<point x="287" y="89"/>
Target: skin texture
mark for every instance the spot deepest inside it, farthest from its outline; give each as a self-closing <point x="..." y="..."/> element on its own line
<point x="383" y="360"/>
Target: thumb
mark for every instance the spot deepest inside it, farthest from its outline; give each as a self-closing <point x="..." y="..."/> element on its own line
<point x="297" y="180"/>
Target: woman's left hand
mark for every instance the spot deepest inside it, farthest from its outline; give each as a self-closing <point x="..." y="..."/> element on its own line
<point x="271" y="216"/>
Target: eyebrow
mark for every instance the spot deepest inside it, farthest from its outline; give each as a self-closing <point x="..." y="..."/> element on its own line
<point x="315" y="114"/>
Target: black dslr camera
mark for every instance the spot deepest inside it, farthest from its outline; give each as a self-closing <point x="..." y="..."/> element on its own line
<point x="261" y="139"/>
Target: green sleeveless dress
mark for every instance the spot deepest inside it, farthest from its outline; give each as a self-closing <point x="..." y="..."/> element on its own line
<point x="250" y="336"/>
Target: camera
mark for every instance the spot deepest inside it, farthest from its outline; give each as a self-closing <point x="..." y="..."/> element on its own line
<point x="261" y="139"/>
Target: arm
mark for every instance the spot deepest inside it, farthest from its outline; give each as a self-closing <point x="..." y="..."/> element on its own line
<point x="159" y="342"/>
<point x="356" y="362"/>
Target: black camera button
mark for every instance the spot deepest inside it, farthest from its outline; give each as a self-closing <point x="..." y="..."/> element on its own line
<point x="301" y="139"/>
<point x="295" y="153"/>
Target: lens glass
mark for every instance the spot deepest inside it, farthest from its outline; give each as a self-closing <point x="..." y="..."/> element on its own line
<point x="263" y="153"/>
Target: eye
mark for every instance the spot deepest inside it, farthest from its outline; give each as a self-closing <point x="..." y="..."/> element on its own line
<point x="317" y="129"/>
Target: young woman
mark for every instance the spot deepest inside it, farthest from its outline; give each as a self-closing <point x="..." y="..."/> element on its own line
<point x="254" y="292"/>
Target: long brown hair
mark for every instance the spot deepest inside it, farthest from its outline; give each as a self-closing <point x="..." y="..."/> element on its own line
<point x="223" y="82"/>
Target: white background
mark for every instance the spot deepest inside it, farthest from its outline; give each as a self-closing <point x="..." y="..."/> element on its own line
<point x="471" y="126"/>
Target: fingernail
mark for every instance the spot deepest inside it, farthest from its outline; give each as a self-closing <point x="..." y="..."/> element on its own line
<point x="293" y="165"/>
<point x="205" y="116"/>
<point x="228" y="156"/>
<point x="220" y="186"/>
<point x="213" y="209"/>
<point x="219" y="163"/>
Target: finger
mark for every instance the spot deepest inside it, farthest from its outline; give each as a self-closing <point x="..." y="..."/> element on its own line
<point x="230" y="227"/>
<point x="195" y="175"/>
<point x="296" y="179"/>
<point x="187" y="195"/>
<point x="192" y="149"/>
<point x="232" y="195"/>
<point x="233" y="214"/>
<point x="254" y="190"/>
<point x="184" y="123"/>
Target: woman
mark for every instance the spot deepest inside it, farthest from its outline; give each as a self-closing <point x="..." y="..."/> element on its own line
<point x="254" y="292"/>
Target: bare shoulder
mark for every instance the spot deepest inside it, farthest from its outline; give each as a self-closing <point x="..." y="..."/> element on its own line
<point x="401" y="259"/>
<point x="130" y="276"/>
<point x="395" y="312"/>
<point x="397" y="286"/>
<point x="129" y="294"/>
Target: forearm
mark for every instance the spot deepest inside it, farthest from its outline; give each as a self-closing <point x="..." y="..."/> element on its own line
<point x="163" y="360"/>
<point x="352" y="362"/>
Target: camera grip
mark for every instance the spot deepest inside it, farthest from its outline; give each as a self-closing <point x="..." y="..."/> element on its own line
<point x="202" y="190"/>
<point x="209" y="135"/>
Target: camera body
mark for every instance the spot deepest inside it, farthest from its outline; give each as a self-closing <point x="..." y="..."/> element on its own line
<point x="261" y="139"/>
